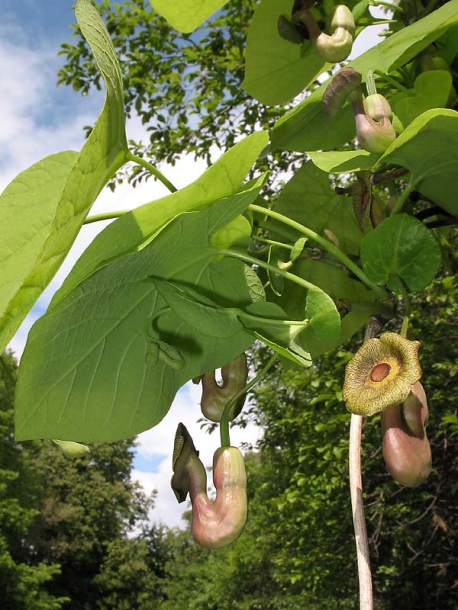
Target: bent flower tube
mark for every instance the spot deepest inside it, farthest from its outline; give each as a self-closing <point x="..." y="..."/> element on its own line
<point x="215" y="523"/>
<point x="381" y="373"/>
<point x="406" y="447"/>
<point x="215" y="397"/>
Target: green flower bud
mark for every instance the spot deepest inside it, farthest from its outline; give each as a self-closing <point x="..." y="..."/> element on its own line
<point x="71" y="449"/>
<point x="377" y="107"/>
<point x="337" y="46"/>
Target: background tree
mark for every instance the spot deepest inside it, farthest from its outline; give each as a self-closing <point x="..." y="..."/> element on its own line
<point x="297" y="550"/>
<point x="74" y="533"/>
<point x="185" y="88"/>
<point x="23" y="580"/>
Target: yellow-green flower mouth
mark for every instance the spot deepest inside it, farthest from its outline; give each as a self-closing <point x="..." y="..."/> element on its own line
<point x="381" y="373"/>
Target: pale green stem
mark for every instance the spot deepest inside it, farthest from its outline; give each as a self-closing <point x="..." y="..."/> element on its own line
<point x="153" y="170"/>
<point x="273" y="321"/>
<point x="272" y="242"/>
<point x="370" y="83"/>
<point x="224" y="423"/>
<point x="402" y="199"/>
<point x="391" y="81"/>
<point x="246" y="258"/>
<point x="106" y="216"/>
<point x="407" y="307"/>
<point x="327" y="245"/>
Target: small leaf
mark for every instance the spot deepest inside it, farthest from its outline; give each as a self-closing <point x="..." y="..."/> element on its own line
<point x="431" y="90"/>
<point x="198" y="311"/>
<point x="401" y="246"/>
<point x="322" y="333"/>
<point x="344" y="161"/>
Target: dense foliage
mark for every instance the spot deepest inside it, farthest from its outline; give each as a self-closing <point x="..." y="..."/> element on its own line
<point x="66" y="525"/>
<point x="183" y="285"/>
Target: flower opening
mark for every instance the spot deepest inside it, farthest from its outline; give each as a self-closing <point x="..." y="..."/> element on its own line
<point x="381" y="373"/>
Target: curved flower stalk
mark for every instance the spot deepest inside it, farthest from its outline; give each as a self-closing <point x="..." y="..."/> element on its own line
<point x="381" y="373"/>
<point x="216" y="523"/>
<point x="406" y="447"/>
<point x="215" y="397"/>
<point x="373" y="115"/>
<point x="332" y="48"/>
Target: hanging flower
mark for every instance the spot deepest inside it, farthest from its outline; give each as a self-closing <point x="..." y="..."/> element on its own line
<point x="380" y="374"/>
<point x="406" y="447"/>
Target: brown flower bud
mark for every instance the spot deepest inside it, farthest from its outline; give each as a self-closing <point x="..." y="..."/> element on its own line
<point x="406" y="447"/>
<point x="215" y="523"/>
<point x="215" y="397"/>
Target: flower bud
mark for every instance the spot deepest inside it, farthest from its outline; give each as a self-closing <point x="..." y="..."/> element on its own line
<point x="374" y="136"/>
<point x="71" y="449"/>
<point x="215" y="397"/>
<point x="377" y="107"/>
<point x="337" y="46"/>
<point x="216" y="523"/>
<point x="406" y="447"/>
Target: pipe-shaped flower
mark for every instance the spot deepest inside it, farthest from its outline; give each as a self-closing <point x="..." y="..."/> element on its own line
<point x="216" y="523"/>
<point x="380" y="374"/>
<point x="372" y="116"/>
<point x="406" y="447"/>
<point x="215" y="397"/>
<point x="337" y="46"/>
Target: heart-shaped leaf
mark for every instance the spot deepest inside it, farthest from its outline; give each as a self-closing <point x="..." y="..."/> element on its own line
<point x="103" y="153"/>
<point x="401" y="246"/>
<point x="428" y="148"/>
<point x="106" y="362"/>
<point x="128" y="233"/>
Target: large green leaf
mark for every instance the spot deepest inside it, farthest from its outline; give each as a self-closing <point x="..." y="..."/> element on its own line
<point x="431" y="90"/>
<point x="429" y="149"/>
<point x="186" y="15"/>
<point x="309" y="199"/>
<point x="275" y="69"/>
<point x="103" y="153"/>
<point x="306" y="127"/>
<point x="132" y="230"/>
<point x="28" y="208"/>
<point x="106" y="362"/>
<point x="401" y="246"/>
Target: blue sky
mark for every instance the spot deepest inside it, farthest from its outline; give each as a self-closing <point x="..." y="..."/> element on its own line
<point x="38" y="119"/>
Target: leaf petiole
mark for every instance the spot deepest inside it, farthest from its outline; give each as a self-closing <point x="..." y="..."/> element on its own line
<point x="106" y="216"/>
<point x="224" y="423"/>
<point x="152" y="169"/>
<point x="327" y="245"/>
